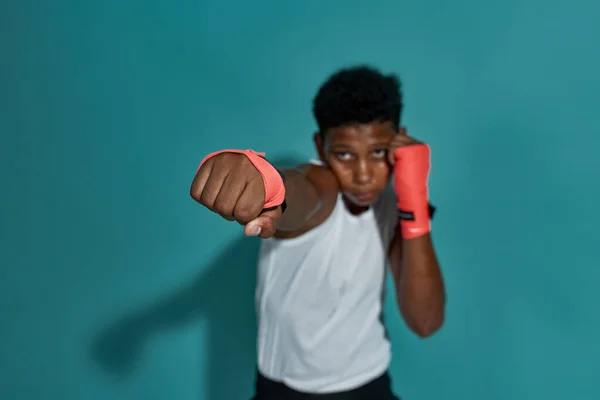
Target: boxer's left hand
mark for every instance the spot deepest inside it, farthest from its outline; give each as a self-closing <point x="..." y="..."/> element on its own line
<point x="400" y="139"/>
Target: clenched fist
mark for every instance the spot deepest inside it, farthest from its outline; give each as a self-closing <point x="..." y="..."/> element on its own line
<point x="230" y="185"/>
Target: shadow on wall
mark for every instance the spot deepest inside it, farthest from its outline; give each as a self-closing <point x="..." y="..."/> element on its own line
<point x="231" y="321"/>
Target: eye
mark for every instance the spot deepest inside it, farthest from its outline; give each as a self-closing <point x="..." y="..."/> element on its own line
<point x="380" y="153"/>
<point x="343" y="155"/>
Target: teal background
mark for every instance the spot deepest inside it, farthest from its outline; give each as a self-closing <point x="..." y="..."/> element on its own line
<point x="115" y="285"/>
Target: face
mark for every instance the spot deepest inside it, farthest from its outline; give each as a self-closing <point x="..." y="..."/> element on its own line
<point x="357" y="154"/>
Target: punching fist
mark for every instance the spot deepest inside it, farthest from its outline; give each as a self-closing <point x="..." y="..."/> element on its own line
<point x="241" y="186"/>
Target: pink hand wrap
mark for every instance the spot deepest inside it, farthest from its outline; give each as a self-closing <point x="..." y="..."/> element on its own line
<point x="411" y="175"/>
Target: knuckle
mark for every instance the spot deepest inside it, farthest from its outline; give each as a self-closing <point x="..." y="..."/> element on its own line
<point x="195" y="193"/>
<point x="222" y="207"/>
<point x="207" y="199"/>
<point x="244" y="212"/>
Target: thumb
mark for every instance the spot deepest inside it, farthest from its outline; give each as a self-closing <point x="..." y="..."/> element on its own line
<point x="264" y="225"/>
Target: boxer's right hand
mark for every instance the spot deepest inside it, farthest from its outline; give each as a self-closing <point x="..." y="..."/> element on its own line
<point x="229" y="185"/>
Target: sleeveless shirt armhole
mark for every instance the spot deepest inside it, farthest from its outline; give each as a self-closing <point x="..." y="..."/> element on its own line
<point x="387" y="214"/>
<point x="309" y="234"/>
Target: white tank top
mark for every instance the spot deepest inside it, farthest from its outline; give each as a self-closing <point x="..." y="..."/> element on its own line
<point x="319" y="301"/>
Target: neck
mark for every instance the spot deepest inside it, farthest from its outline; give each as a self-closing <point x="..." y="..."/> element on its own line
<point x="353" y="208"/>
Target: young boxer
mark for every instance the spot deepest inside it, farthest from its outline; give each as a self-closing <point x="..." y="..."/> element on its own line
<point x="330" y="227"/>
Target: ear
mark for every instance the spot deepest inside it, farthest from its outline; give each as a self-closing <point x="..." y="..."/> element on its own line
<point x="319" y="145"/>
<point x="402" y="131"/>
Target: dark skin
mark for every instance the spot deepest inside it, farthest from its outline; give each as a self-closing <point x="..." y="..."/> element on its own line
<point x="360" y="162"/>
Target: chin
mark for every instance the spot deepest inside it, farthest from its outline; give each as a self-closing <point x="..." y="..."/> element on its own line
<point x="362" y="202"/>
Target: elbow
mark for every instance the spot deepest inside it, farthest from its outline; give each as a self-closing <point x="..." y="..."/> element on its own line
<point x="424" y="323"/>
<point x="423" y="311"/>
<point x="428" y="328"/>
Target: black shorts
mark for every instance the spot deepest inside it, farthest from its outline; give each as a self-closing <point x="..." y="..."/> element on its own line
<point x="378" y="389"/>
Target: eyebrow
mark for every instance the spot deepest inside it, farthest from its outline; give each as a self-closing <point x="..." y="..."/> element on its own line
<point x="345" y="148"/>
<point x="379" y="144"/>
<point x="338" y="146"/>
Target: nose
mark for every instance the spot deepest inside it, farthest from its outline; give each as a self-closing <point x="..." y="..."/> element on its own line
<point x="362" y="173"/>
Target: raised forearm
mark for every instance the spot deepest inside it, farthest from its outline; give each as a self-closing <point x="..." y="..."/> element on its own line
<point x="419" y="285"/>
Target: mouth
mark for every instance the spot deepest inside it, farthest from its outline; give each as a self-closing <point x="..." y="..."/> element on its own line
<point x="365" y="197"/>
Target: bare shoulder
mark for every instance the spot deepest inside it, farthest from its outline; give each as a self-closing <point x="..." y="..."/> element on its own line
<point x="321" y="177"/>
<point x="326" y="188"/>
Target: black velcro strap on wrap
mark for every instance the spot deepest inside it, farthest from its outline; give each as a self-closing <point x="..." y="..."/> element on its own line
<point x="410" y="216"/>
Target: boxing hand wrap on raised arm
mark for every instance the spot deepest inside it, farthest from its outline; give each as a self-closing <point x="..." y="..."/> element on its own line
<point x="272" y="177"/>
<point x="411" y="176"/>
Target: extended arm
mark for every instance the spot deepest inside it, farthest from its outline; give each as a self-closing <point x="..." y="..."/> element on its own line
<point x="231" y="184"/>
